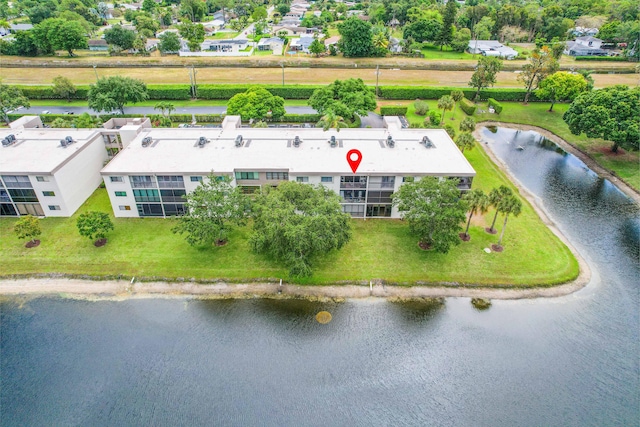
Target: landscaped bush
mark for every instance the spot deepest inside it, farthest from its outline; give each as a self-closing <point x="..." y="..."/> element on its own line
<point x="435" y="118"/>
<point x="227" y="91"/>
<point x="467" y="106"/>
<point x="421" y="107"/>
<point x="171" y="92"/>
<point x="495" y="105"/>
<point x="46" y="92"/>
<point x="421" y="92"/>
<point x="391" y="110"/>
<point x="602" y="58"/>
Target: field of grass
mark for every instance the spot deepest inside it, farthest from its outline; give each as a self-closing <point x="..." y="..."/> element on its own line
<point x="430" y="51"/>
<point x="380" y="249"/>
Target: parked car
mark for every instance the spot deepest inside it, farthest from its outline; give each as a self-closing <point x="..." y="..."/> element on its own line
<point x="69" y="112"/>
<point x="46" y="112"/>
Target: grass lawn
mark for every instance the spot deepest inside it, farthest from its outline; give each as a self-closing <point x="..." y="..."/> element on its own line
<point x="431" y="51"/>
<point x="624" y="164"/>
<point x="380" y="249"/>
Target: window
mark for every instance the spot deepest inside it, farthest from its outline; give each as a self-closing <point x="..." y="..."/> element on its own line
<point x="4" y="196"/>
<point x="16" y="181"/>
<point x="42" y="178"/>
<point x="302" y="179"/>
<point x="116" y="179"/>
<point x="353" y="181"/>
<point x="23" y="195"/>
<point x="196" y="179"/>
<point x="48" y="193"/>
<point x="408" y="179"/>
<point x="352" y="196"/>
<point x="124" y="207"/>
<point x="173" y="195"/>
<point x="278" y="175"/>
<point x="247" y="175"/>
<point x="121" y="194"/>
<point x="173" y="210"/>
<point x="326" y="179"/>
<point x="54" y="207"/>
<point x="148" y="209"/>
<point x="170" y="181"/>
<point x="142" y="181"/>
<point x="354" y="210"/>
<point x="249" y="189"/>
<point x="146" y="195"/>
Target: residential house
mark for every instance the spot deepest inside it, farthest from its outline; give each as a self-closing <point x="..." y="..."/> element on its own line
<point x="225" y="46"/>
<point x="491" y="48"/>
<point x="274" y="44"/>
<point x="99" y="45"/>
<point x="301" y="44"/>
<point x="13" y="28"/>
<point x="585" y="46"/>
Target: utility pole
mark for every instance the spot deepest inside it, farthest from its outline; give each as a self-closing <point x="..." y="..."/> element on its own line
<point x="282" y="65"/>
<point x="194" y="84"/>
<point x="95" y="71"/>
<point x="377" y="78"/>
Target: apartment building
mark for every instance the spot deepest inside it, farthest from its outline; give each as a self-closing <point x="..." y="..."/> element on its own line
<point x="150" y="176"/>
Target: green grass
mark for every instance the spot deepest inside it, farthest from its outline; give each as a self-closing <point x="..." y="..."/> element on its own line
<point x="379" y="249"/>
<point x="431" y="51"/>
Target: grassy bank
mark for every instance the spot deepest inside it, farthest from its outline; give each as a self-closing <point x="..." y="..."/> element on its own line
<point x="380" y="249"/>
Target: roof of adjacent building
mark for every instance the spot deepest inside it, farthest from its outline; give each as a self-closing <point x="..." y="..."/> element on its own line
<point x="491" y="45"/>
<point x="265" y="41"/>
<point x="39" y="150"/>
<point x="176" y="151"/>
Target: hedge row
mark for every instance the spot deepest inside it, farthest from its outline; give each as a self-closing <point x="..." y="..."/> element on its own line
<point x="467" y="106"/>
<point x="179" y="118"/>
<point x="393" y="111"/>
<point x="495" y="105"/>
<point x="223" y="92"/>
<point x="602" y="58"/>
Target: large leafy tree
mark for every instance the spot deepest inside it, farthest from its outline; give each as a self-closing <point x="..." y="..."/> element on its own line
<point x="256" y="103"/>
<point x="296" y="222"/>
<point x="11" y="98"/>
<point x="27" y="227"/>
<point x="55" y="33"/>
<point x="120" y="37"/>
<point x="94" y="225"/>
<point x="317" y="47"/>
<point x="193" y="9"/>
<point x="63" y="87"/>
<point x="461" y="39"/>
<point x="212" y="210"/>
<point x="346" y="98"/>
<point x="477" y="202"/>
<point x="85" y="121"/>
<point x="169" y="42"/>
<point x="561" y="87"/>
<point x="424" y="30"/>
<point x="111" y="93"/>
<point x="485" y="74"/>
<point x="357" y="37"/>
<point x="445" y="37"/>
<point x="612" y="113"/>
<point x="511" y="205"/>
<point x="434" y="210"/>
<point x="193" y="33"/>
<point x="541" y="64"/>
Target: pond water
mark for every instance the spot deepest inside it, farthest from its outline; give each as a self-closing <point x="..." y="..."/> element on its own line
<point x="564" y="361"/>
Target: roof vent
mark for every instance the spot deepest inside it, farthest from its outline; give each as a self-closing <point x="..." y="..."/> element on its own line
<point x="8" y="140"/>
<point x="68" y="139"/>
<point x="296" y="141"/>
<point x="332" y="141"/>
<point x="202" y="141"/>
<point x="63" y="142"/>
<point x="146" y="141"/>
<point x="239" y="141"/>
<point x="390" y="142"/>
<point x="427" y="142"/>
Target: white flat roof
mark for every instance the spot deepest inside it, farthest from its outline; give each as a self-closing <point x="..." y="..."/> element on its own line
<point x="175" y="151"/>
<point x="38" y="151"/>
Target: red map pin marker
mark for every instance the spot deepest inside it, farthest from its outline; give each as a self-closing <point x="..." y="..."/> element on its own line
<point x="354" y="157"/>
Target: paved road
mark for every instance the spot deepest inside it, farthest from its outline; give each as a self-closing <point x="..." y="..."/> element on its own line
<point x="148" y="110"/>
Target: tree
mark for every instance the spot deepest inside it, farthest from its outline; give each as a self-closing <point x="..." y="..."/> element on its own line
<point x="55" y="33"/>
<point x="511" y="205"/>
<point x="434" y="210"/>
<point x="611" y="113"/>
<point x="259" y="13"/>
<point x="424" y="30"/>
<point x="485" y="74"/>
<point x="111" y="93"/>
<point x="283" y="9"/>
<point x="11" y="98"/>
<point x="477" y="202"/>
<point x="120" y="37"/>
<point x="211" y="211"/>
<point x="63" y="87"/>
<point x="149" y="6"/>
<point x="147" y="25"/>
<point x="446" y="103"/>
<point x="461" y="39"/>
<point x="468" y="124"/>
<point x="165" y="108"/>
<point x="357" y="37"/>
<point x="296" y="222"/>
<point x="193" y="33"/>
<point x="465" y="140"/>
<point x="256" y="103"/>
<point x="317" y="47"/>
<point x="496" y="197"/>
<point x="421" y="107"/>
<point x="541" y="64"/>
<point x="346" y="98"/>
<point x="94" y="225"/>
<point x="24" y="44"/>
<point x="169" y="42"/>
<point x="446" y="34"/>
<point x="59" y="123"/>
<point x="193" y="9"/>
<point x="482" y="30"/>
<point x="561" y="87"/>
<point x="85" y="121"/>
<point x="27" y="227"/>
<point x="332" y="121"/>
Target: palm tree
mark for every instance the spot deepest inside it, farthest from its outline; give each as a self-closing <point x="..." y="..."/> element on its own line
<point x="164" y="106"/>
<point x="380" y="41"/>
<point x="331" y="120"/>
<point x="478" y="202"/>
<point x="465" y="140"/>
<point x="468" y="124"/>
<point x="445" y="103"/>
<point x="496" y="196"/>
<point x="456" y="95"/>
<point x="511" y="205"/>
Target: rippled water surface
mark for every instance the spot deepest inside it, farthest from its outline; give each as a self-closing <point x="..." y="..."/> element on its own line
<point x="563" y="361"/>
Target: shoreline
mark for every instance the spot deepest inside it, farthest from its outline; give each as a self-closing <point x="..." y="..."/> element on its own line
<point x="121" y="289"/>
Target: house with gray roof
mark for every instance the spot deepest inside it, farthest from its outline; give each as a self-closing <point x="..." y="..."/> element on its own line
<point x="491" y="48"/>
<point x="585" y="46"/>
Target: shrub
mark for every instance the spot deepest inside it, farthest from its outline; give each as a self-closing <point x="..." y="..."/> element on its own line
<point x="602" y="58"/>
<point x="467" y="106"/>
<point x="421" y="107"/>
<point x="393" y="111"/>
<point x="450" y="130"/>
<point x="495" y="105"/>
<point x="435" y="117"/>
